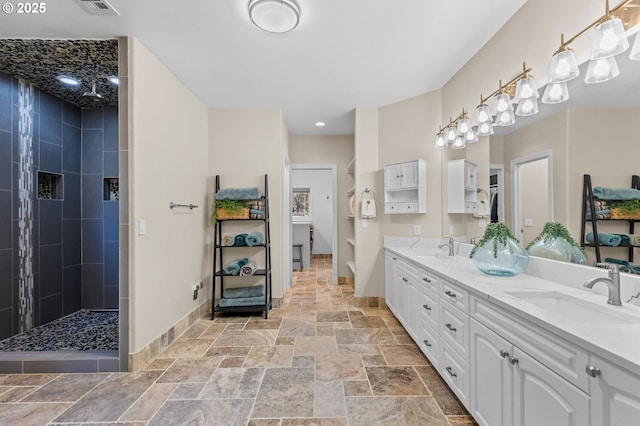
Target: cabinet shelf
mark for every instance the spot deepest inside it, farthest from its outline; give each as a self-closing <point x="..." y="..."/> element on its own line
<point x="219" y="277"/>
<point x="351" y="168"/>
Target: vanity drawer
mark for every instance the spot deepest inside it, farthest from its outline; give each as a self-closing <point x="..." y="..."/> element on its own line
<point x="430" y="344"/>
<point x="454" y="330"/>
<point x="405" y="269"/>
<point x="391" y="208"/>
<point x="455" y="371"/>
<point x="430" y="308"/>
<point x="559" y="355"/>
<point x="430" y="281"/>
<point x="455" y="295"/>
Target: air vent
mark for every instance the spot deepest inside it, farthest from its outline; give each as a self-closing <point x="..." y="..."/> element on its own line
<point x="98" y="7"/>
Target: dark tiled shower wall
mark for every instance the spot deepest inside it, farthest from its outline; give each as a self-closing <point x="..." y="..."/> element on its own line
<point x="75" y="238"/>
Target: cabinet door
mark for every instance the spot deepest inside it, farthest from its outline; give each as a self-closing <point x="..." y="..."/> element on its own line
<point x="392" y="176"/>
<point x="409" y="175"/>
<point x="491" y="377"/>
<point x="541" y="397"/>
<point x="401" y="301"/>
<point x="470" y="179"/>
<point x="413" y="314"/>
<point x="390" y="285"/>
<point x="615" y="395"/>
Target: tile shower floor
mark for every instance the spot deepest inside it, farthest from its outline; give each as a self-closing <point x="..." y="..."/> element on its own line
<point x="81" y="331"/>
<point x="317" y="360"/>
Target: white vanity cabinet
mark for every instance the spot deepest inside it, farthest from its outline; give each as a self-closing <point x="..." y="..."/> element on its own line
<point x="462" y="186"/>
<point x="615" y="395"/>
<point x="509" y="387"/>
<point x="405" y="187"/>
<point x="390" y="289"/>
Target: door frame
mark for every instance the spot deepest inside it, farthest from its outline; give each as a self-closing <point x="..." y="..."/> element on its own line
<point x="333" y="168"/>
<point x="499" y="170"/>
<point x="287" y="231"/>
<point x="516" y="192"/>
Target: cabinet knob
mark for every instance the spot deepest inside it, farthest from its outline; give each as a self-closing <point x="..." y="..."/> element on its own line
<point x="427" y="343"/>
<point x="593" y="371"/>
<point x="450" y="294"/>
<point x="513" y="360"/>
<point x="426" y="280"/>
<point x="504" y="354"/>
<point x="426" y="307"/>
<point x="404" y="279"/>
<point x="450" y="327"/>
<point x="451" y="372"/>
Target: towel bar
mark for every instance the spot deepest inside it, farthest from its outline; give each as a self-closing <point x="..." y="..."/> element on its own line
<point x="189" y="206"/>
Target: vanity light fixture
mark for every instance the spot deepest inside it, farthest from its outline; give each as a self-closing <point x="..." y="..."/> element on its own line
<point x="503" y="108"/>
<point x="601" y="70"/>
<point x="526" y="94"/>
<point x="440" y="143"/>
<point x="555" y="93"/>
<point x="68" y="80"/>
<point x="635" y="50"/>
<point x="274" y="16"/>
<point x="609" y="39"/>
<point x="464" y="125"/>
<point x="459" y="143"/>
<point x="563" y="64"/>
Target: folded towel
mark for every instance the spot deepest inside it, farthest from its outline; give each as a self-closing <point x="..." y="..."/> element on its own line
<point x="228" y="240"/>
<point x="248" y="269"/>
<point x="633" y="268"/>
<point x="616" y="193"/>
<point x="605" y="239"/>
<point x="600" y="214"/>
<point x="233" y="268"/>
<point x="254" y="239"/>
<point x="635" y="240"/>
<point x="599" y="205"/>
<point x="256" y="214"/>
<point x="241" y="301"/>
<point x="238" y="194"/>
<point x="241" y="239"/>
<point x="235" y="293"/>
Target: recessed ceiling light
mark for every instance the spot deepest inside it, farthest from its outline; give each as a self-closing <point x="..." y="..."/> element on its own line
<point x="70" y="81"/>
<point x="115" y="80"/>
<point x="320" y="124"/>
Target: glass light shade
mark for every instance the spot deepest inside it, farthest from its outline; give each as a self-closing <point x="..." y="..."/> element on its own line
<point x="563" y="67"/>
<point x="483" y="114"/>
<point x="441" y="143"/>
<point x="527" y="107"/>
<point x="464" y="125"/>
<point x="459" y="143"/>
<point x="450" y="134"/>
<point x="274" y="16"/>
<point x="555" y="93"/>
<point x="505" y="118"/>
<point x="609" y="39"/>
<point x="601" y="70"/>
<point x="502" y="102"/>
<point x="526" y="88"/>
<point x="471" y="136"/>
<point x="485" y="129"/>
<point x="635" y="51"/>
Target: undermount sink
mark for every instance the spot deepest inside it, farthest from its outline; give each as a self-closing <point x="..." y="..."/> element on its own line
<point x="574" y="309"/>
<point x="429" y="253"/>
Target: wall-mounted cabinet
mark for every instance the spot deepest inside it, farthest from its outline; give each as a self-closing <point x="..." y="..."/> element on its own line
<point x="405" y="187"/>
<point x="462" y="186"/>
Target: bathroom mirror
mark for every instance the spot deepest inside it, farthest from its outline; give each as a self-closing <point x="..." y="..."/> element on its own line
<point x="595" y="132"/>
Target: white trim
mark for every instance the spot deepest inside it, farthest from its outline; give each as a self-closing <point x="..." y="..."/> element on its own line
<point x="334" y="188"/>
<point x="516" y="193"/>
<point x="287" y="273"/>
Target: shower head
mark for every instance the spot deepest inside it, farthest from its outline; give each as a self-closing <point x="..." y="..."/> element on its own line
<point x="93" y="94"/>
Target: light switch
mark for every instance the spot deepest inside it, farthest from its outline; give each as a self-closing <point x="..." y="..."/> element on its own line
<point x="528" y="222"/>
<point x="482" y="223"/>
<point x="142" y="227"/>
<point x="417" y="230"/>
<point x="364" y="223"/>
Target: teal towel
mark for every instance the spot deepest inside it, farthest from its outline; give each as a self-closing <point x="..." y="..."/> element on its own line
<point x="256" y="212"/>
<point x="241" y="240"/>
<point x="616" y="193"/>
<point x="605" y="239"/>
<point x="254" y="239"/>
<point x="238" y="194"/>
<point x="241" y="292"/>
<point x="233" y="268"/>
<point x="241" y="301"/>
<point x="625" y="240"/>
<point x="634" y="269"/>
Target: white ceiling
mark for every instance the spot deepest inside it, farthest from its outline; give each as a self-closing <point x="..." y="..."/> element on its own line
<point x="345" y="54"/>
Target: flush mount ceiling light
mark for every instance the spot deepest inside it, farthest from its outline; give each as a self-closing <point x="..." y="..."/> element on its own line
<point x="320" y="124"/>
<point x="274" y="16"/>
<point x="69" y="81"/>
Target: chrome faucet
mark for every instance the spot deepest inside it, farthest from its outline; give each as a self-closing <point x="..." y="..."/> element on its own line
<point x="449" y="244"/>
<point x="613" y="282"/>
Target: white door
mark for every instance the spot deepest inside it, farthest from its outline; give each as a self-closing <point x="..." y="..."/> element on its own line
<point x="615" y="395"/>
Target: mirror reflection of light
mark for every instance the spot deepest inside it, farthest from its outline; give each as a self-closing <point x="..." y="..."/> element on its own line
<point x="483" y="117"/>
<point x="609" y="40"/>
<point x="563" y="68"/>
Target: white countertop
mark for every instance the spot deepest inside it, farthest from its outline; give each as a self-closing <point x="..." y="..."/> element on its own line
<point x="618" y="342"/>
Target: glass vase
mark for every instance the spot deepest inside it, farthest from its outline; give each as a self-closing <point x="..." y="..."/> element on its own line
<point x="557" y="248"/>
<point x="507" y="260"/>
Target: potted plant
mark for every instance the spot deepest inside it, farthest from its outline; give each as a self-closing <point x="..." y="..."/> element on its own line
<point x="499" y="252"/>
<point x="555" y="242"/>
<point x="625" y="209"/>
<point x="229" y="209"/>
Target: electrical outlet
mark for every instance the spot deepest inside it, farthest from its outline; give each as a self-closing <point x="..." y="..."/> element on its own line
<point x="364" y="223"/>
<point x="482" y="223"/>
<point x="528" y="222"/>
<point x="417" y="230"/>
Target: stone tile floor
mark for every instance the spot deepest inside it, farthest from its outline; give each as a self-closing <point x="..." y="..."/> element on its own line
<point x="317" y="360"/>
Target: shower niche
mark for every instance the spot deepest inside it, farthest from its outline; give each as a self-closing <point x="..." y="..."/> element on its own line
<point x="111" y="190"/>
<point x="50" y="186"/>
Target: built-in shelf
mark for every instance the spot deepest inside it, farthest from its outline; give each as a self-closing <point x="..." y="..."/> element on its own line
<point x="351" y="191"/>
<point x="352" y="266"/>
<point x="111" y="189"/>
<point x="351" y="241"/>
<point x="350" y="216"/>
<point x="50" y="186"/>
